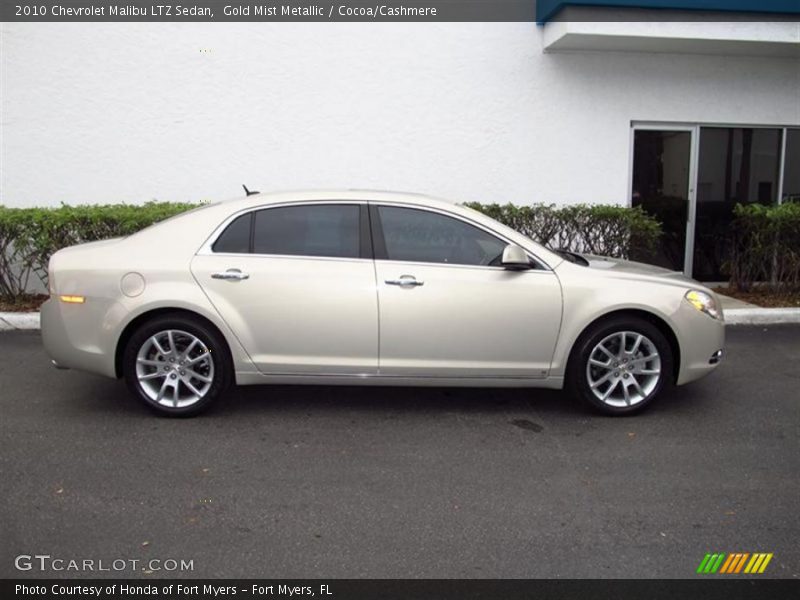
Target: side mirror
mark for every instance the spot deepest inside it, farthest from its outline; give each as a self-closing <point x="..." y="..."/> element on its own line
<point x="515" y="258"/>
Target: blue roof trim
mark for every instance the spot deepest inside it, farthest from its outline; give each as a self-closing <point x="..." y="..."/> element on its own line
<point x="547" y="9"/>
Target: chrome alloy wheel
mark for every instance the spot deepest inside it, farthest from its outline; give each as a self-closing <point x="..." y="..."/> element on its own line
<point x="174" y="368"/>
<point x="623" y="369"/>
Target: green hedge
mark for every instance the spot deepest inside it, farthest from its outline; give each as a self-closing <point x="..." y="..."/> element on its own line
<point x="28" y="236"/>
<point x="606" y="230"/>
<point x="766" y="247"/>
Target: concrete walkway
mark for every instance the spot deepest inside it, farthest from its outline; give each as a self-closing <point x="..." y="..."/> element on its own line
<point x="18" y="320"/>
<point x="729" y="303"/>
<point x="739" y="312"/>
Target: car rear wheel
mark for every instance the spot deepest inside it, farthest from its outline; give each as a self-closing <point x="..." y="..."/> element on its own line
<point x="620" y="366"/>
<point x="177" y="365"/>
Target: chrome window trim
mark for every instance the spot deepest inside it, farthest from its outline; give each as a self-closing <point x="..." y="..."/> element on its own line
<point x="542" y="270"/>
<point x="240" y="255"/>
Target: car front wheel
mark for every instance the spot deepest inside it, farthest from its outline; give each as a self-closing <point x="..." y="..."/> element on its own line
<point x="620" y="366"/>
<point x="176" y="365"/>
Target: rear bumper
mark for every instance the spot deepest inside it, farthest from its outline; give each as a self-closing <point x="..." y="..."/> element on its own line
<point x="71" y="336"/>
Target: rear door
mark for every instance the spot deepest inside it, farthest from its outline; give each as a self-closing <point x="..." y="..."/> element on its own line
<point x="296" y="284"/>
<point x="447" y="309"/>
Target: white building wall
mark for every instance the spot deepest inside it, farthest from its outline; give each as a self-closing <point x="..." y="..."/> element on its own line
<point x="472" y="111"/>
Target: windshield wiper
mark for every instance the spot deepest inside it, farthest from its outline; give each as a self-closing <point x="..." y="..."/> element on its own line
<point x="572" y="257"/>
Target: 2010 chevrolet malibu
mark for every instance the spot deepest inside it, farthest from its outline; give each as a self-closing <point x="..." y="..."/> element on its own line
<point x="369" y="288"/>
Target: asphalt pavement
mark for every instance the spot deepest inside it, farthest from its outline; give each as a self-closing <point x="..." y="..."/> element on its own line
<point x="328" y="482"/>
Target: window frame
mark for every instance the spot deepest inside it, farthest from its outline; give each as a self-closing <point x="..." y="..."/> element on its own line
<point x="364" y="233"/>
<point x="379" y="244"/>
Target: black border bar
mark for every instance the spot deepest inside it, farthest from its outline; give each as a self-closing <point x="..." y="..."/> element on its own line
<point x="530" y="11"/>
<point x="707" y="588"/>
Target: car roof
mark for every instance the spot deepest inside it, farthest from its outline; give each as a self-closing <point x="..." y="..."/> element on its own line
<point x="359" y="195"/>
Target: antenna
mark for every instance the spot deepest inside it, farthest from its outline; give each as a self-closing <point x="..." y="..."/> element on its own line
<point x="248" y="192"/>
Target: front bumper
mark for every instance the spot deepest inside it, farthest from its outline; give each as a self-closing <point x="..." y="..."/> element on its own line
<point x="702" y="343"/>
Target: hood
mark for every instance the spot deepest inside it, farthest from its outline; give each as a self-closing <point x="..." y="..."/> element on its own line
<point x="617" y="265"/>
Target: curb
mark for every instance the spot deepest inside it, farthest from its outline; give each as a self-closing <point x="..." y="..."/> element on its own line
<point x="761" y="316"/>
<point x="11" y="321"/>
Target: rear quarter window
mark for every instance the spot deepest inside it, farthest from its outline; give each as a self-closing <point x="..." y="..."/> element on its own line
<point x="236" y="237"/>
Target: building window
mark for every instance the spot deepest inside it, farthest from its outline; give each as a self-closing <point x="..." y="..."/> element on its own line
<point x="736" y="165"/>
<point x="791" y="167"/>
<point x="725" y="166"/>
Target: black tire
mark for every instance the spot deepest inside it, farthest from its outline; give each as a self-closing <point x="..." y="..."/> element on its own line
<point x="610" y="330"/>
<point x="215" y="361"/>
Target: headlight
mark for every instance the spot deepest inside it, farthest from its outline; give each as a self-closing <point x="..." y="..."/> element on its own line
<point x="704" y="303"/>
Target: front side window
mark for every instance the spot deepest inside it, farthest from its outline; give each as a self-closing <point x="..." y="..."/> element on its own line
<point x="420" y="236"/>
<point x="314" y="230"/>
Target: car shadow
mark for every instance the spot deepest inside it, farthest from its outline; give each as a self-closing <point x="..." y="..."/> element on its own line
<point x="380" y="399"/>
<point x="99" y="395"/>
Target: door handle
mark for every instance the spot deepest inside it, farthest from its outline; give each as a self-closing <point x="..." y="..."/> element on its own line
<point x="405" y="281"/>
<point x="231" y="275"/>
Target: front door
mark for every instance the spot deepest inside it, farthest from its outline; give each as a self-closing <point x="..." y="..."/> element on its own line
<point x="447" y="309"/>
<point x="296" y="285"/>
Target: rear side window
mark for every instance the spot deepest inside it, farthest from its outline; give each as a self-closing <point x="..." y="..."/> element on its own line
<point x="314" y="230"/>
<point x="236" y="237"/>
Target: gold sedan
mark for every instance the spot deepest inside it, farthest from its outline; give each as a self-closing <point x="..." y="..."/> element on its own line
<point x="369" y="288"/>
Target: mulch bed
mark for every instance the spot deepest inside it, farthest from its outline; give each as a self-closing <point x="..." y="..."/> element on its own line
<point x="764" y="298"/>
<point x="26" y="303"/>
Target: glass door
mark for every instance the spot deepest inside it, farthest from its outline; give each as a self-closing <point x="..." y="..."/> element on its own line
<point x="690" y="178"/>
<point x="736" y="165"/>
<point x="662" y="176"/>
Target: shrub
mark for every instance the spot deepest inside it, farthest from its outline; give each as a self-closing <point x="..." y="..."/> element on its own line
<point x="766" y="247"/>
<point x="29" y="236"/>
<point x="616" y="231"/>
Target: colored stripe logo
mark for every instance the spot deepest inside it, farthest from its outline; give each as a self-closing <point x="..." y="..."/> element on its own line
<point x="735" y="562"/>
